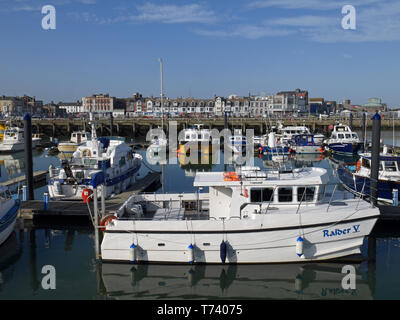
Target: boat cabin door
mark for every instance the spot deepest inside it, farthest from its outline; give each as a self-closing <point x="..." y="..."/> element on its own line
<point x="78" y="138"/>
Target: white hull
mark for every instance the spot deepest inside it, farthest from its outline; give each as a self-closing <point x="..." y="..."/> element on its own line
<point x="260" y="240"/>
<point x="17" y="146"/>
<point x="307" y="149"/>
<point x="6" y="233"/>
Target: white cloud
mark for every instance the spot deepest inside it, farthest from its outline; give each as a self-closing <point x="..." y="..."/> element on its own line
<point x="309" y="4"/>
<point x="193" y="13"/>
<point x="246" y="31"/>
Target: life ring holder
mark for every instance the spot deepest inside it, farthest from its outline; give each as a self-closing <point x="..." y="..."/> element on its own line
<point x="105" y="220"/>
<point x="86" y="153"/>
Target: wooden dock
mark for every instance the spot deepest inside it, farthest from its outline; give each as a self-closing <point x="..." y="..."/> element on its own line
<point x="78" y="209"/>
<point x="38" y="177"/>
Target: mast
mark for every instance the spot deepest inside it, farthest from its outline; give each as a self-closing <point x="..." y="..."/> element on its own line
<point x="162" y="93"/>
<point x="162" y="118"/>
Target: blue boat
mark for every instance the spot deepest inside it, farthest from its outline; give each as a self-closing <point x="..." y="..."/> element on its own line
<point x="355" y="177"/>
<point x="343" y="140"/>
<point x="304" y="144"/>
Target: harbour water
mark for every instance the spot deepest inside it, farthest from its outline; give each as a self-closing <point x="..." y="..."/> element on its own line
<point x="68" y="247"/>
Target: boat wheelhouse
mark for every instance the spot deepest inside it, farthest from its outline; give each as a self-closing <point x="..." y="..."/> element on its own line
<point x="304" y="144"/>
<point x="285" y="134"/>
<point x="77" y="138"/>
<point x="197" y="139"/>
<point x="247" y="216"/>
<point x="13" y="140"/>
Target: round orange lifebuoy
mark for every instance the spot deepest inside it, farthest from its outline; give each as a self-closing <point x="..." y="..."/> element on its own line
<point x="358" y="165"/>
<point x="105" y="220"/>
<point x="87" y="195"/>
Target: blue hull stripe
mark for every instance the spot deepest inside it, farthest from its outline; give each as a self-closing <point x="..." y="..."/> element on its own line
<point x="9" y="217"/>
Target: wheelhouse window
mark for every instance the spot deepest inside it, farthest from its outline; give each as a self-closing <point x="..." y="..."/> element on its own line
<point x="321" y="193"/>
<point x="305" y="194"/>
<point x="390" y="166"/>
<point x="285" y="194"/>
<point x="366" y="163"/>
<point x="261" y="194"/>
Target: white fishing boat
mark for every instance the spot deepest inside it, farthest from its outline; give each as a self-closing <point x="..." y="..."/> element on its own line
<point x="8" y="213"/>
<point x="13" y="140"/>
<point x="197" y="139"/>
<point x="110" y="155"/>
<point x="248" y="216"/>
<point x="77" y="138"/>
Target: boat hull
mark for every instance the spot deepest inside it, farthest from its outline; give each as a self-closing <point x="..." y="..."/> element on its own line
<point x="67" y="147"/>
<point x="307" y="149"/>
<point x="15" y="147"/>
<point x="8" y="222"/>
<point x="284" y="150"/>
<point x="250" y="245"/>
<point x="344" y="148"/>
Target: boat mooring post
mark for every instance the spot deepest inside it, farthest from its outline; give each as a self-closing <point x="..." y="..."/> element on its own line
<point x="351" y="121"/>
<point x="96" y="223"/>
<point x="364" y="126"/>
<point x="28" y="155"/>
<point x="96" y="181"/>
<point x="376" y="143"/>
<point x="111" y="124"/>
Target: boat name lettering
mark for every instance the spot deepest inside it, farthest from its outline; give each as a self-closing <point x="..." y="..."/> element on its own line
<point x="340" y="232"/>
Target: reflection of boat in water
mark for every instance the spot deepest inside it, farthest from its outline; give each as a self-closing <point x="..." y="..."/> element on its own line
<point x="14" y="163"/>
<point x="280" y="281"/>
<point x="10" y="252"/>
<point x="308" y="160"/>
<point x="196" y="162"/>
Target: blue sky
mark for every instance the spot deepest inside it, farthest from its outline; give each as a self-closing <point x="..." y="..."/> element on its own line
<point x="208" y="47"/>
